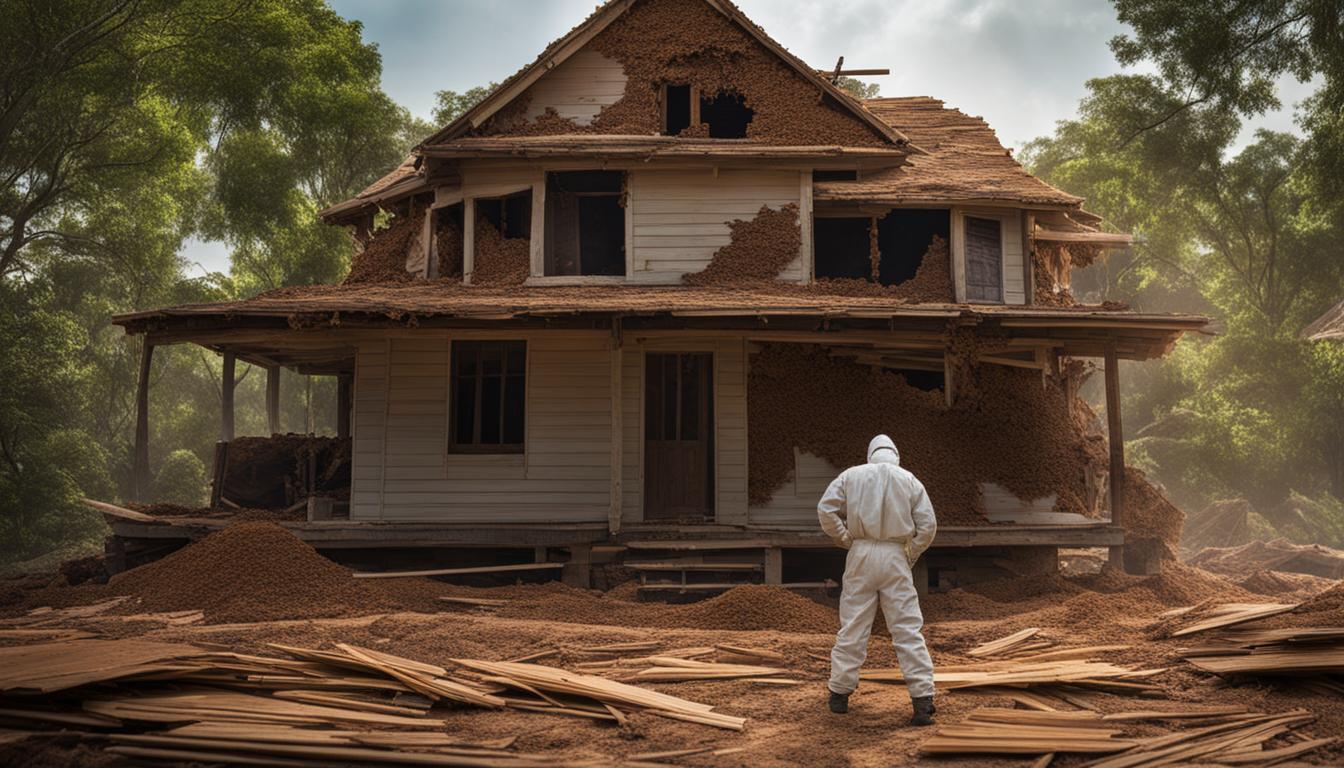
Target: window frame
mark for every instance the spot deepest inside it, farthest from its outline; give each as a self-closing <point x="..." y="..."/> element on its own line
<point x="454" y="392"/>
<point x="541" y="256"/>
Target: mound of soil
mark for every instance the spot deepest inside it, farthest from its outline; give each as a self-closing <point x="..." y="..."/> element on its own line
<point x="1323" y="610"/>
<point x="250" y="571"/>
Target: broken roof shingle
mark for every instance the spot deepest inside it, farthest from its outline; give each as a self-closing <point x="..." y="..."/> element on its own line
<point x="963" y="160"/>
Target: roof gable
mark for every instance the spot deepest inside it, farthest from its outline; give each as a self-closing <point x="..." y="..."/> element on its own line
<point x="707" y="43"/>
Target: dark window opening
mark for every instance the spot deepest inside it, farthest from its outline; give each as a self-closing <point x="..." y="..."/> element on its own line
<point x="585" y="223"/>
<point x="511" y="215"/>
<point x="488" y="397"/>
<point x="835" y="175"/>
<point x="927" y="381"/>
<point x="726" y="115"/>
<point x="903" y="235"/>
<point x="676" y="109"/>
<point x="842" y="247"/>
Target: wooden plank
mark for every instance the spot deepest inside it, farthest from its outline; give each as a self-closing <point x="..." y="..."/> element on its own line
<point x="455" y="571"/>
<point x="122" y="512"/>
<point x="227" y="385"/>
<point x="1116" y="441"/>
<point x="140" y="460"/>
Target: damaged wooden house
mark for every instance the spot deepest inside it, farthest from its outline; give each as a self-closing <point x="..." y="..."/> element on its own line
<point x="651" y="294"/>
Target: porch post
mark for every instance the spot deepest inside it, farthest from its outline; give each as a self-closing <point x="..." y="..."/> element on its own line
<point x="140" y="460"/>
<point x="949" y="393"/>
<point x="617" y="430"/>
<point x="273" y="399"/>
<point x="226" y="399"/>
<point x="343" y="382"/>
<point x="1116" y="556"/>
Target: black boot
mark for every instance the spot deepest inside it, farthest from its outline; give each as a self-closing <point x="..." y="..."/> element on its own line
<point x="839" y="703"/>
<point x="924" y="710"/>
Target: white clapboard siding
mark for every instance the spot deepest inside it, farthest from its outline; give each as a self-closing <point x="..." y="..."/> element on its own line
<point x="730" y="416"/>
<point x="680" y="218"/>
<point x="1014" y="266"/>
<point x="579" y="88"/>
<point x="404" y="472"/>
<point x="795" y="503"/>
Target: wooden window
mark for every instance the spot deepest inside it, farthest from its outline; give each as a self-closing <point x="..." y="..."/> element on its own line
<point x="585" y="223"/>
<point x="488" y="397"/>
<point x="984" y="259"/>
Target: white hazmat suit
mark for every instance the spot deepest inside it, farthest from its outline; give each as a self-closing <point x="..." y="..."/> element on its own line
<point x="881" y="514"/>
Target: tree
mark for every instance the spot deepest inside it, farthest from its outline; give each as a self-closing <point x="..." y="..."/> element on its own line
<point x="858" y="89"/>
<point x="450" y="105"/>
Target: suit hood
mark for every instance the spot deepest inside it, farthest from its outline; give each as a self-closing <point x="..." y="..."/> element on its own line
<point x="881" y="450"/>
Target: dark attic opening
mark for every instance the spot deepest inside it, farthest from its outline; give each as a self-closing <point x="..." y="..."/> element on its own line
<point x="511" y="215"/>
<point x="835" y="174"/>
<point x="676" y="109"/>
<point x="726" y="115"/>
<point x="585" y="223"/>
<point x="921" y="378"/>
<point x="886" y="250"/>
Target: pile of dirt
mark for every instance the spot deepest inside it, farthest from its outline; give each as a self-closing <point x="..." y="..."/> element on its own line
<point x="499" y="260"/>
<point x="272" y="472"/>
<point x="1287" y="586"/>
<point x="1149" y="516"/>
<point x="685" y="42"/>
<point x="1277" y="555"/>
<point x="745" y="607"/>
<point x="253" y="571"/>
<point x="759" y="249"/>
<point x="383" y="259"/>
<point x="1323" y="610"/>
<point x="1011" y="431"/>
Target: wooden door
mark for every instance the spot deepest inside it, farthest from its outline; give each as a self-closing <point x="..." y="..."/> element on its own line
<point x="984" y="260"/>
<point x="679" y="436"/>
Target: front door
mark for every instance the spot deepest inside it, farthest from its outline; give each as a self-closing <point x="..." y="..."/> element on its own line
<point x="984" y="260"/>
<point x="679" y="436"/>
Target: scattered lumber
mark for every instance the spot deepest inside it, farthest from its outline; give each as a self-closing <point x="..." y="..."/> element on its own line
<point x="1004" y="645"/>
<point x="54" y="617"/>
<point x="1315" y="652"/>
<point x="1084" y="674"/>
<point x="1242" y="741"/>
<point x="478" y="602"/>
<point x="532" y="677"/>
<point x="1230" y="614"/>
<point x="51" y="667"/>
<point x="991" y="730"/>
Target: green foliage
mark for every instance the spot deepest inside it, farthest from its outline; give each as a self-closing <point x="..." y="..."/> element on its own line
<point x="450" y="105"/>
<point x="859" y="89"/>
<point x="181" y="479"/>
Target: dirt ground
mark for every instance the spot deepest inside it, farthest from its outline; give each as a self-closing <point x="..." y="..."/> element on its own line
<point x="786" y="725"/>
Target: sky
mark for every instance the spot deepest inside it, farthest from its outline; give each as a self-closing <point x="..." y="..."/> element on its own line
<point x="1020" y="64"/>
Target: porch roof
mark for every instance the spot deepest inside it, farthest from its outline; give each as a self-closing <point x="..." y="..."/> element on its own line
<point x="1083" y="330"/>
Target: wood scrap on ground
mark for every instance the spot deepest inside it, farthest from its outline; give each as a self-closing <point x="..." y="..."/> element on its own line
<point x="1316" y="652"/>
<point x="1226" y="615"/>
<point x="1079" y="673"/>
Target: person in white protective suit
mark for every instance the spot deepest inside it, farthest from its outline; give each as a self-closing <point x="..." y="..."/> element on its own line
<point x="881" y="514"/>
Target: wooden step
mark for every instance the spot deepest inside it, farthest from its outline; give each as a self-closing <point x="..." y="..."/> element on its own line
<point x="665" y="566"/>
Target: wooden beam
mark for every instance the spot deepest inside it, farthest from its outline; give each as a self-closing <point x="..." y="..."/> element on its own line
<point x="227" y="385"/>
<point x="949" y="390"/>
<point x="344" y="387"/>
<point x="140" y="460"/>
<point x="455" y="571"/>
<point x="1116" y="553"/>
<point x="617" y="434"/>
<point x="273" y="399"/>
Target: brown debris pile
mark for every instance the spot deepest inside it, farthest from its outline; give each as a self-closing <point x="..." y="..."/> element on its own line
<point x="931" y="283"/>
<point x="273" y="472"/>
<point x="1278" y="555"/>
<point x="685" y="42"/>
<point x="500" y="260"/>
<point x="1323" y="610"/>
<point x="384" y="257"/>
<point x="1013" y="432"/>
<point x="759" y="250"/>
<point x="1149" y="516"/>
<point x="448" y="244"/>
<point x="746" y="607"/>
<point x="1050" y="267"/>
<point x="248" y="572"/>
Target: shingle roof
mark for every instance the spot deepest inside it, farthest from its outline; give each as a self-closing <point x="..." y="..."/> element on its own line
<point x="962" y="160"/>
